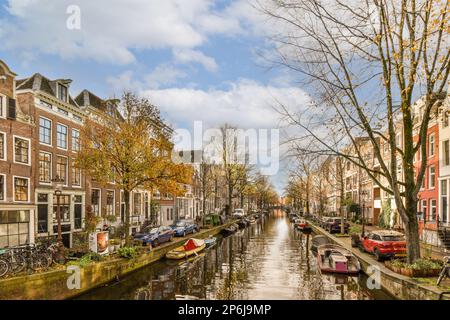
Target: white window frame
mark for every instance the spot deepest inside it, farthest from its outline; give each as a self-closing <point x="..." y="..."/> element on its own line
<point x="29" y="150"/>
<point x="114" y="201"/>
<point x="67" y="136"/>
<point x="431" y="146"/>
<point x="14" y="189"/>
<point x="51" y="167"/>
<point x="99" y="214"/>
<point x="4" y="187"/>
<point x="3" y="106"/>
<point x="66" y="182"/>
<point x="81" y="175"/>
<point x="51" y="132"/>
<point x="5" y="149"/>
<point x="430" y="215"/>
<point x="429" y="177"/>
<point x="444" y="157"/>
<point x="71" y="140"/>
<point x="67" y="92"/>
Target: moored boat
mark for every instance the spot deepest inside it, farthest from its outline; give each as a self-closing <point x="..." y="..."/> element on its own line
<point x="230" y="229"/>
<point x="332" y="258"/>
<point x="191" y="247"/>
<point x="211" y="241"/>
<point x="242" y="223"/>
<point x="318" y="241"/>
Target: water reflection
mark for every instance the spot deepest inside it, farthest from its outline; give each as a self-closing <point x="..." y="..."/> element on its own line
<point x="268" y="260"/>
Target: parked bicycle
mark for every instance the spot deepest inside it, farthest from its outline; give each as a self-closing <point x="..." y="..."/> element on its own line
<point x="445" y="272"/>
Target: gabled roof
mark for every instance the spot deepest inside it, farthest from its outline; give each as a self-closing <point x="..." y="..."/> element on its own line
<point x="7" y="70"/>
<point x="87" y="99"/>
<point x="38" y="82"/>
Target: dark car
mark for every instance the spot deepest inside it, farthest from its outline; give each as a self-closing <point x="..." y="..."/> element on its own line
<point x="183" y="227"/>
<point x="333" y="225"/>
<point x="154" y="235"/>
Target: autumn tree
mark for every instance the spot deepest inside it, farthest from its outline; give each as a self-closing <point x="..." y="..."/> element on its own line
<point x="127" y="143"/>
<point x="364" y="63"/>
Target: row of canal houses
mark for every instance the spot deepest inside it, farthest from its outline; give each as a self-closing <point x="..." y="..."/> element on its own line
<point x="40" y="124"/>
<point x="433" y="208"/>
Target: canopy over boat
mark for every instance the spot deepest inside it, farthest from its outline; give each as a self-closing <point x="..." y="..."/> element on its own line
<point x="192" y="244"/>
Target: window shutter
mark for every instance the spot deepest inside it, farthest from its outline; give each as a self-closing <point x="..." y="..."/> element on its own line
<point x="11" y="109"/>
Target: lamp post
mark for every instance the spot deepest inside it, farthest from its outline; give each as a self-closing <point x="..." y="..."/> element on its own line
<point x="57" y="185"/>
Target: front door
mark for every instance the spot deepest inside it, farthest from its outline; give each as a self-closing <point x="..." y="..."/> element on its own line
<point x="66" y="239"/>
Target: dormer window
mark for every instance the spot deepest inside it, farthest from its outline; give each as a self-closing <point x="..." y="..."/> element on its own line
<point x="62" y="92"/>
<point x="2" y="106"/>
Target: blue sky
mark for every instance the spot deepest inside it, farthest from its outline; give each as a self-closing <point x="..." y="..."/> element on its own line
<point x="196" y="59"/>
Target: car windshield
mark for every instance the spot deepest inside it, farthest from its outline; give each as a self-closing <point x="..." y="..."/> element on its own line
<point x="393" y="238"/>
<point x="153" y="230"/>
<point x="181" y="224"/>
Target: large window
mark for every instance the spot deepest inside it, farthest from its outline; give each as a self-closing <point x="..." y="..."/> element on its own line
<point x="14" y="228"/>
<point x="75" y="140"/>
<point x="431" y="145"/>
<point x="2" y="187"/>
<point x="61" y="136"/>
<point x="45" y="131"/>
<point x="432" y="210"/>
<point x="444" y="202"/>
<point x="2" y="146"/>
<point x="21" y="150"/>
<point x="432" y="177"/>
<point x="76" y="175"/>
<point x="64" y="208"/>
<point x="2" y="106"/>
<point x="95" y="201"/>
<point x="45" y="167"/>
<point x="21" y="189"/>
<point x="424" y="208"/>
<point x="137" y="204"/>
<point x="61" y="168"/>
<point x="446" y="152"/>
<point x="110" y="202"/>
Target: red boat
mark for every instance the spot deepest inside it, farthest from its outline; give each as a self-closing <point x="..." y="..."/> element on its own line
<point x="302" y="225"/>
<point x="332" y="258"/>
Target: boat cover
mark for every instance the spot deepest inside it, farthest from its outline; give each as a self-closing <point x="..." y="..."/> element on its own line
<point x="191" y="244"/>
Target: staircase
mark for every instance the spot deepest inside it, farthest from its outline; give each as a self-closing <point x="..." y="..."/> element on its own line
<point x="444" y="235"/>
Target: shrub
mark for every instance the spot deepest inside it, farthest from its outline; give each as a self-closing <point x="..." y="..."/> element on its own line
<point x="88" y="258"/>
<point x="355" y="230"/>
<point x="128" y="252"/>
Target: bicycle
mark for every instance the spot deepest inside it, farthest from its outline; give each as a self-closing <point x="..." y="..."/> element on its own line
<point x="445" y="272"/>
<point x="4" y="264"/>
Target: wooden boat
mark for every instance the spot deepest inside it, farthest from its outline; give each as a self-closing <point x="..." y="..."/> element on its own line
<point x="230" y="229"/>
<point x="332" y="258"/>
<point x="303" y="226"/>
<point x="211" y="241"/>
<point x="191" y="247"/>
<point x="318" y="241"/>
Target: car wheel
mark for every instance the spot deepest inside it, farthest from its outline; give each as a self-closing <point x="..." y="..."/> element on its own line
<point x="361" y="247"/>
<point x="377" y="254"/>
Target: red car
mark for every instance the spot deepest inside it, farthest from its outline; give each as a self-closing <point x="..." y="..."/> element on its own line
<point x="385" y="244"/>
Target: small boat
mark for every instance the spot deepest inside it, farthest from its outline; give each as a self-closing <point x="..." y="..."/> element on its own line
<point x="230" y="229"/>
<point x="332" y="258"/>
<point x="317" y="241"/>
<point x="191" y="247"/>
<point x="211" y="241"/>
<point x="303" y="226"/>
<point x="242" y="223"/>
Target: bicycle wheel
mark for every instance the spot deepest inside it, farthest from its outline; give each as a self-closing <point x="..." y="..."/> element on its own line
<point x="39" y="262"/>
<point x="441" y="275"/>
<point x="17" y="263"/>
<point x="4" y="268"/>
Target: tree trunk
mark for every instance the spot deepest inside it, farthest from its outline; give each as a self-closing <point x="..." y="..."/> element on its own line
<point x="411" y="229"/>
<point x="126" y="195"/>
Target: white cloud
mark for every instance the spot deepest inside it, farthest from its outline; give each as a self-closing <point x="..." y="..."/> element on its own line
<point x="164" y="75"/>
<point x="112" y="29"/>
<point x="186" y="56"/>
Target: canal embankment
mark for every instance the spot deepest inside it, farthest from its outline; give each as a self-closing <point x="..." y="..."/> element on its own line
<point x="397" y="285"/>
<point x="53" y="285"/>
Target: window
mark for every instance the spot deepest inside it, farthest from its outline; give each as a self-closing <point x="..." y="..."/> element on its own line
<point x="45" y="131"/>
<point x="424" y="208"/>
<point x="21" y="191"/>
<point x="61" y="136"/>
<point x="2" y="146"/>
<point x="443" y="199"/>
<point x="46" y="104"/>
<point x="137" y="204"/>
<point x="14" y="228"/>
<point x="45" y="167"/>
<point x="446" y="151"/>
<point x="76" y="174"/>
<point x="445" y="119"/>
<point x="2" y="187"/>
<point x="77" y="118"/>
<point x="62" y="92"/>
<point x="21" y="150"/>
<point x="168" y="214"/>
<point x="64" y="208"/>
<point x="432" y="177"/>
<point x="61" y="168"/>
<point x="109" y="202"/>
<point x="432" y="210"/>
<point x="75" y="140"/>
<point x="62" y="111"/>
<point x="2" y="106"/>
<point x="431" y="145"/>
<point x="95" y="201"/>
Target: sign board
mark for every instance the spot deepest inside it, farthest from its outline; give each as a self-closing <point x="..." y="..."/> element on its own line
<point x="99" y="241"/>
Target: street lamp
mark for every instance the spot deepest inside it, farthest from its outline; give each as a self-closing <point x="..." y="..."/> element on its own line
<point x="57" y="183"/>
<point x="363" y="231"/>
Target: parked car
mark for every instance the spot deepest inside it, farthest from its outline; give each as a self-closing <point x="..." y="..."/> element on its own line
<point x="333" y="225"/>
<point x="384" y="244"/>
<point x="154" y="236"/>
<point x="323" y="221"/>
<point x="184" y="227"/>
<point x="238" y="213"/>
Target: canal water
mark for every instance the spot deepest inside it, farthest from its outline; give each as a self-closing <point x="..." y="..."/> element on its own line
<point x="268" y="260"/>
